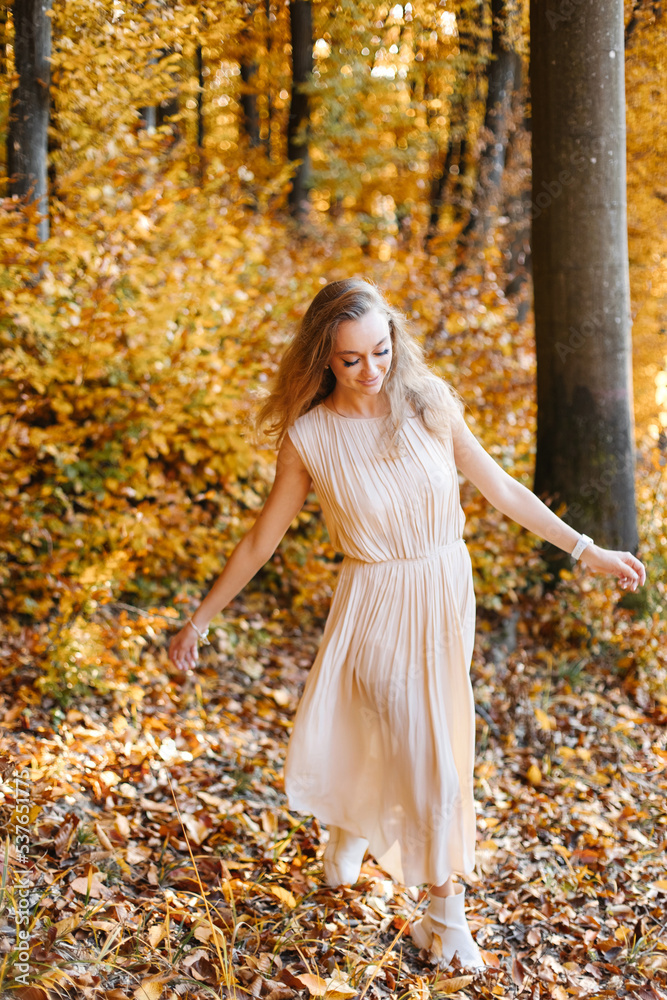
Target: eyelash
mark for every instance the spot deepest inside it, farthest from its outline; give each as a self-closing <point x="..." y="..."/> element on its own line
<point x="348" y="364"/>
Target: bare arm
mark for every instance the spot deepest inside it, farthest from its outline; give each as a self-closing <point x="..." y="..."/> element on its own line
<point x="290" y="488"/>
<point x="514" y="500"/>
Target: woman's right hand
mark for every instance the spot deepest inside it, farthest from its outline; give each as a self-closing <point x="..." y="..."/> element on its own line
<point x="630" y="571"/>
<point x="184" y="650"/>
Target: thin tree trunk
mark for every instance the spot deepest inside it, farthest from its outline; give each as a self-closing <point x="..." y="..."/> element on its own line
<point x="439" y="187"/>
<point x="248" y="76"/>
<point x="27" y="145"/>
<point x="301" y="25"/>
<point x="504" y="77"/>
<point x="200" y="99"/>
<point x="447" y="187"/>
<point x="585" y="432"/>
<point x="4" y="15"/>
<point x="149" y="117"/>
<point x="148" y="114"/>
<point x="249" y="103"/>
<point x="169" y="108"/>
<point x="269" y="98"/>
<point x="517" y="209"/>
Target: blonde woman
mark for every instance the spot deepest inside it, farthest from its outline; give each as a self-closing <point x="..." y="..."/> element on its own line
<point x="382" y="748"/>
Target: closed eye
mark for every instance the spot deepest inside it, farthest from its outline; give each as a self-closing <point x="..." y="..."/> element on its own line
<point x="379" y="354"/>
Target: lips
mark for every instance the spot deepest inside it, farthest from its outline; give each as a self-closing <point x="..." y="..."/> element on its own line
<point x="372" y="382"/>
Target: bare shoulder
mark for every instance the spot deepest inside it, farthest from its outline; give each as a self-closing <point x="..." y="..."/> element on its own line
<point x="289" y="457"/>
<point x="450" y="398"/>
<point x="308" y="418"/>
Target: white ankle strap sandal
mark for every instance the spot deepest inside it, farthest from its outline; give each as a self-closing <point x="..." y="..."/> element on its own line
<point x="443" y="931"/>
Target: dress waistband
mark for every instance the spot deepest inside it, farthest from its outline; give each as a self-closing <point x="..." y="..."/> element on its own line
<point x="406" y="559"/>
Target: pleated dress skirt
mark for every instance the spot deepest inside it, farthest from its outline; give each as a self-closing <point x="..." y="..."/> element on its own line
<point x="384" y="735"/>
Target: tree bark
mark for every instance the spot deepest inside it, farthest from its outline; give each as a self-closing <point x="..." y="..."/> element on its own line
<point x="440" y="185"/>
<point x="249" y="103"/>
<point x="504" y="77"/>
<point x="248" y="73"/>
<point x="516" y="206"/>
<point x="199" y="58"/>
<point x="448" y="186"/>
<point x="27" y="141"/>
<point x="585" y="422"/>
<point x="3" y="40"/>
<point x="269" y="98"/>
<point x="301" y="26"/>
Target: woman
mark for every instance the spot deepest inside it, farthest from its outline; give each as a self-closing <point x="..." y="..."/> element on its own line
<point x="382" y="748"/>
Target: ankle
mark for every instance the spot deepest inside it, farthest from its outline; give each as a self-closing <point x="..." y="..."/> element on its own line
<point x="448" y="888"/>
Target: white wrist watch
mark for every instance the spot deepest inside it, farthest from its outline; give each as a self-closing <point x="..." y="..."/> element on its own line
<point x="584" y="541"/>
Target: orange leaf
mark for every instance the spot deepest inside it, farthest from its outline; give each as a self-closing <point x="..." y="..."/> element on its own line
<point x="284" y="895"/>
<point x="316" y="986"/>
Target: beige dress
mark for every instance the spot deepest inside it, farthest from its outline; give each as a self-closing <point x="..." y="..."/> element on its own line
<point x="384" y="736"/>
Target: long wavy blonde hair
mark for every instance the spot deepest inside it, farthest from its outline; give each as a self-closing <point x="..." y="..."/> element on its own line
<point x="303" y="380"/>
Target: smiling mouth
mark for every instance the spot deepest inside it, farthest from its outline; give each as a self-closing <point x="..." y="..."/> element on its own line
<point x="371" y="382"/>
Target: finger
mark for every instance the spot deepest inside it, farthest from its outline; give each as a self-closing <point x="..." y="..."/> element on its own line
<point x="628" y="571"/>
<point x="638" y="565"/>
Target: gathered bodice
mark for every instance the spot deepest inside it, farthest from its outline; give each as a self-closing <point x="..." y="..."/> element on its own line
<point x="380" y="509"/>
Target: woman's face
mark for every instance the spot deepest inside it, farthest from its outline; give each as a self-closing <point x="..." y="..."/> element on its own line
<point x="362" y="354"/>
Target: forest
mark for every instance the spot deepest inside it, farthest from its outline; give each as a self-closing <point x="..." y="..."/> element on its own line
<point x="178" y="179"/>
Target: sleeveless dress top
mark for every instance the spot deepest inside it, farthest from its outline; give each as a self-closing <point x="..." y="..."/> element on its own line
<point x="384" y="735"/>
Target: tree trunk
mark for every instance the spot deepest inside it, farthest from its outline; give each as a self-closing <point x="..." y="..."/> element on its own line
<point x="269" y="99"/>
<point x="440" y="185"/>
<point x="249" y="103"/>
<point x="504" y="77"/>
<point x="199" y="58"/>
<point x="301" y="26"/>
<point x="585" y="423"/>
<point x="516" y="206"/>
<point x="447" y="187"/>
<point x="155" y="115"/>
<point x="3" y="40"/>
<point x="27" y="142"/>
<point x="248" y="75"/>
<point x="148" y="116"/>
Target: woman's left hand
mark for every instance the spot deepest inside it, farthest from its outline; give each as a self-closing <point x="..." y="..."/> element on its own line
<point x="630" y="571"/>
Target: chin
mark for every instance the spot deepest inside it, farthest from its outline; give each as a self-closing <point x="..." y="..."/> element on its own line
<point x="372" y="388"/>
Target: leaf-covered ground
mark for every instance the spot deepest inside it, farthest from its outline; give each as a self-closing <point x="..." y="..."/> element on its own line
<point x="163" y="860"/>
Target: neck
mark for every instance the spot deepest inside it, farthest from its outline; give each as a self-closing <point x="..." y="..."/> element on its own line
<point x="347" y="405"/>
